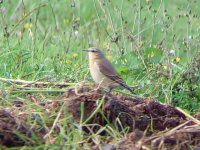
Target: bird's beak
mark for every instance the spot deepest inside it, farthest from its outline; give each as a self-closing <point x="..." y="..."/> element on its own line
<point x="86" y="50"/>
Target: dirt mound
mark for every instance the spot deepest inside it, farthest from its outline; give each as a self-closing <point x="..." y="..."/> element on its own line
<point x="150" y="124"/>
<point x="133" y="112"/>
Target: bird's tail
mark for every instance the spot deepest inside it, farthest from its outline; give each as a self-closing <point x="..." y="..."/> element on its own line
<point x="130" y="88"/>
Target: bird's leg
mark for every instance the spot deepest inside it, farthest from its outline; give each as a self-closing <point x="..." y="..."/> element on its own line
<point x="98" y="86"/>
<point x="112" y="87"/>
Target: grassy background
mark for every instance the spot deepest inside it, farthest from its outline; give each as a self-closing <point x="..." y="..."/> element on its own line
<point x="153" y="44"/>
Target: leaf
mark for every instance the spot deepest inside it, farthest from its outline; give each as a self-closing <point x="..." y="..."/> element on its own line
<point x="123" y="70"/>
<point x="129" y="64"/>
<point x="154" y="55"/>
<point x="130" y="60"/>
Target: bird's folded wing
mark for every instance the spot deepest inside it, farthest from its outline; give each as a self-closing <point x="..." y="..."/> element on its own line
<point x="108" y="70"/>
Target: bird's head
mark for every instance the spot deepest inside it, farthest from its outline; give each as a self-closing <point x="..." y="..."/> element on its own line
<point x="94" y="53"/>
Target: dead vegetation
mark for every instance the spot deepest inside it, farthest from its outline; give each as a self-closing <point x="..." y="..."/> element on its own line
<point x="149" y="124"/>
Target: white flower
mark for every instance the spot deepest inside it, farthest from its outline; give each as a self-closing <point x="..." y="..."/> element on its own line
<point x="171" y="53"/>
<point x="76" y="32"/>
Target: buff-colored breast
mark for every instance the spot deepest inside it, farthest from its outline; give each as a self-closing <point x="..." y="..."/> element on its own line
<point x="98" y="76"/>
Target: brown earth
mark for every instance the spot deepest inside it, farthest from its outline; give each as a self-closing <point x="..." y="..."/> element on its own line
<point x="151" y="124"/>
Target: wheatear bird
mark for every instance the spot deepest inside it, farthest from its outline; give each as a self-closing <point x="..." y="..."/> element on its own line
<point x="102" y="71"/>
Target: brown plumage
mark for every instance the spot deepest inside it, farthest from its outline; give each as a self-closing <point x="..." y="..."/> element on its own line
<point x="103" y="72"/>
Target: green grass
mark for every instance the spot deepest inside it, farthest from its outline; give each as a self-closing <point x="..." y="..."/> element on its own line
<point x="46" y="38"/>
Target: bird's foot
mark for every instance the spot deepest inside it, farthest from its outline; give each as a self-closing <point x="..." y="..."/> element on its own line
<point x="97" y="87"/>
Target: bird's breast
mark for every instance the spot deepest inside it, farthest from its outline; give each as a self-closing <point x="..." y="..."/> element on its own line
<point x="96" y="73"/>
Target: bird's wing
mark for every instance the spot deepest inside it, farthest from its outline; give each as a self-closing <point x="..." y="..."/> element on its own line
<point x="108" y="70"/>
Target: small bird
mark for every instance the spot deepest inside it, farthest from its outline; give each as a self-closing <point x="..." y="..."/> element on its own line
<point x="102" y="71"/>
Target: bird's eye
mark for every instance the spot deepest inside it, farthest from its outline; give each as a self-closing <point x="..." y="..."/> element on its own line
<point x="93" y="51"/>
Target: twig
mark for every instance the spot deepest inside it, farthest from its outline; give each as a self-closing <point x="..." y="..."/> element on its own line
<point x="39" y="91"/>
<point x="35" y="83"/>
<point x="192" y="129"/>
<point x="182" y="128"/>
<point x="189" y="116"/>
<point x="170" y="132"/>
<point x="55" y="122"/>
